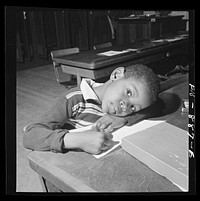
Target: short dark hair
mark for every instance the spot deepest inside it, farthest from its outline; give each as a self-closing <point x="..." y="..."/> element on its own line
<point x="147" y="76"/>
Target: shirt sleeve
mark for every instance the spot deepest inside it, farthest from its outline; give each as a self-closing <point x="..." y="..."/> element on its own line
<point x="46" y="133"/>
<point x="152" y="111"/>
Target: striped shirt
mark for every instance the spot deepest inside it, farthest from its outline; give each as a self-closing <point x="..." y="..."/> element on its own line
<point x="84" y="107"/>
<point x="81" y="107"/>
<point x="78" y="108"/>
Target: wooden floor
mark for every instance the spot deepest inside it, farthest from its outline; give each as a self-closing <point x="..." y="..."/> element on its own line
<point x="35" y="62"/>
<point x="36" y="90"/>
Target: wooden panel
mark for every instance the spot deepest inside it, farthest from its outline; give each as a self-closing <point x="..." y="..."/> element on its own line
<point x="19" y="54"/>
<point x="49" y="26"/>
<point x="60" y="30"/>
<point x="72" y="29"/>
<point x="41" y="31"/>
<point x="24" y="35"/>
<point x="83" y="33"/>
<point x="40" y="35"/>
<point x="97" y="34"/>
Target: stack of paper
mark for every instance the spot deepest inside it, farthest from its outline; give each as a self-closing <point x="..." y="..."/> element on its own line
<point x="114" y="52"/>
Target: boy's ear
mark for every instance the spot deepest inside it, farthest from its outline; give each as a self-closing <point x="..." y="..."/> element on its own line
<point x="118" y="73"/>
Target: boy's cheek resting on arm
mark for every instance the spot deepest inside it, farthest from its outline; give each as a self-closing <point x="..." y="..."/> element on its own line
<point x="109" y="122"/>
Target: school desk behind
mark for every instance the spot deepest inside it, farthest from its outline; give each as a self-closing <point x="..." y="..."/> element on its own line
<point x="92" y="64"/>
<point x="118" y="171"/>
<point x="153" y="26"/>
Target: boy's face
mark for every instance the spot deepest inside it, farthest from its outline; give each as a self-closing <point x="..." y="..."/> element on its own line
<point x="124" y="96"/>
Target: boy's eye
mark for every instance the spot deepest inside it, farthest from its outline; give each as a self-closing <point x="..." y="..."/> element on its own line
<point x="129" y="93"/>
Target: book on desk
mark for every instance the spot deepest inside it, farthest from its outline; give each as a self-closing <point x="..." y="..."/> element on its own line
<point x="164" y="148"/>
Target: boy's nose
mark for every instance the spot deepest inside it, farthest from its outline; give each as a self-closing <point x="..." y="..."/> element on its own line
<point x="123" y="105"/>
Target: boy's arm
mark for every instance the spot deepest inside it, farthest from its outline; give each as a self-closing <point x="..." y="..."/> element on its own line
<point x="46" y="133"/>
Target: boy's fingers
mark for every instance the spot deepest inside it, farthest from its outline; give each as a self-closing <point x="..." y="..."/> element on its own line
<point x="95" y="127"/>
<point x="107" y="142"/>
<point x="109" y="129"/>
<point x="102" y="127"/>
<point x="105" y="127"/>
<point x="108" y="136"/>
<point x="103" y="148"/>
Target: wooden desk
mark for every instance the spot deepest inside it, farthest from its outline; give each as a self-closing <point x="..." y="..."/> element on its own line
<point x="143" y="27"/>
<point x="116" y="172"/>
<point x="92" y="65"/>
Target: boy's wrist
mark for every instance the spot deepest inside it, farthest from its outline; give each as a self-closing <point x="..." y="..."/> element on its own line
<point x="70" y="141"/>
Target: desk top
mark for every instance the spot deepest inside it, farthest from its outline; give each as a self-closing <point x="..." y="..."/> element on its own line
<point x="94" y="59"/>
<point x="145" y="18"/>
<point x="116" y="172"/>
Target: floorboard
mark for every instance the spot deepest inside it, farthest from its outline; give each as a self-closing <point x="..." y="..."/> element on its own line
<point x="36" y="90"/>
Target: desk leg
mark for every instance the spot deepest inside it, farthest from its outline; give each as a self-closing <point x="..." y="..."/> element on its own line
<point x="51" y="188"/>
<point x="47" y="186"/>
<point x="43" y="184"/>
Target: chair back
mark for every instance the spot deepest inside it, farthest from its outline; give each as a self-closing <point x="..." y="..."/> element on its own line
<point x="58" y="53"/>
<point x="103" y="45"/>
<point x="63" y="52"/>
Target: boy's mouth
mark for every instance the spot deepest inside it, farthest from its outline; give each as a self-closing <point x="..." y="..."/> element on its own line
<point x="114" y="110"/>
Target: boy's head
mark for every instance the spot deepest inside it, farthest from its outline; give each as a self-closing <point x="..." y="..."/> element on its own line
<point x="130" y="89"/>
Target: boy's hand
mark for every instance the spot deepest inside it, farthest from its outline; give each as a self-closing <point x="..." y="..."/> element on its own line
<point x="91" y="141"/>
<point x="109" y="122"/>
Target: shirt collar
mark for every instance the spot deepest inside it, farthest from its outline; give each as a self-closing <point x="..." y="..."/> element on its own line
<point x="87" y="86"/>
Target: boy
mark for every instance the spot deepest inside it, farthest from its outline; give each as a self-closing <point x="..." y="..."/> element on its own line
<point x="129" y="92"/>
